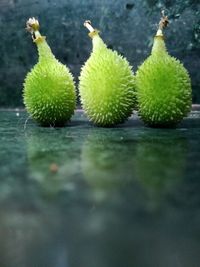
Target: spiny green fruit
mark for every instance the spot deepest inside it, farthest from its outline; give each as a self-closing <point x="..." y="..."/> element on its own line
<point x="163" y="86"/>
<point x="107" y="84"/>
<point x="49" y="91"/>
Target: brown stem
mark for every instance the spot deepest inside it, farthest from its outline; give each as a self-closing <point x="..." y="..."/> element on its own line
<point x="162" y="24"/>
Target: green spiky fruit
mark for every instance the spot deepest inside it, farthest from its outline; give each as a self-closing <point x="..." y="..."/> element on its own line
<point x="163" y="88"/>
<point x="49" y="91"/>
<point x="107" y="85"/>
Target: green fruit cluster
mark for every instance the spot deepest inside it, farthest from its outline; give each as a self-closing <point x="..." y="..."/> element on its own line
<point x="108" y="89"/>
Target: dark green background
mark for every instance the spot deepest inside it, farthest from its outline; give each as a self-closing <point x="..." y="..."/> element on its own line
<point x="127" y="26"/>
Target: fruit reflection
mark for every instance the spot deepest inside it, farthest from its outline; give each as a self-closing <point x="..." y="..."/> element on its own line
<point x="52" y="159"/>
<point x="107" y="160"/>
<point x="152" y="163"/>
<point x="159" y="163"/>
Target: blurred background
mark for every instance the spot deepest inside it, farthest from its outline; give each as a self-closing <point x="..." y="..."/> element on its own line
<point x="127" y="26"/>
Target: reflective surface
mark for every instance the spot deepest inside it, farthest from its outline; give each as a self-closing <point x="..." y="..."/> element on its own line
<point x="88" y="196"/>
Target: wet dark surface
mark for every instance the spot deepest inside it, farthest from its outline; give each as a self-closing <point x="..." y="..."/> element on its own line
<point x="88" y="196"/>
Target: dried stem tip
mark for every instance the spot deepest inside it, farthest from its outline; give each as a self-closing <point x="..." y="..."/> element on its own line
<point x="164" y="21"/>
<point x="162" y="24"/>
<point x="88" y="25"/>
<point x="32" y="25"/>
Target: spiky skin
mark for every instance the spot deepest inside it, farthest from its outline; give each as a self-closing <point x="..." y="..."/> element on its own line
<point x="163" y="88"/>
<point x="49" y="91"/>
<point x="107" y="86"/>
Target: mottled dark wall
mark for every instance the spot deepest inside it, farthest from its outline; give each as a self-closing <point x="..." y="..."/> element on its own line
<point x="127" y="26"/>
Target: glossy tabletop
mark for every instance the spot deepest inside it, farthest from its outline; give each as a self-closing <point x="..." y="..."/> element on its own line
<point x="85" y="196"/>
